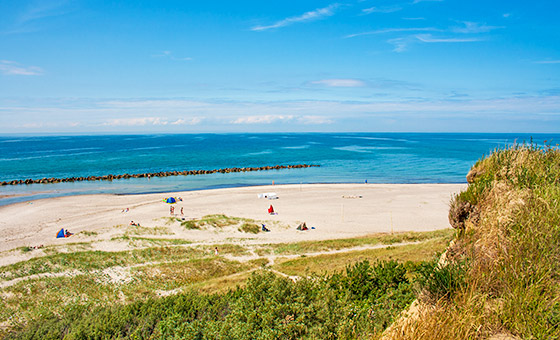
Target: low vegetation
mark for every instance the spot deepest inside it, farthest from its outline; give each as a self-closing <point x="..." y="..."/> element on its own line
<point x="356" y="304"/>
<point x="220" y="221"/>
<point x="73" y="294"/>
<point x="501" y="275"/>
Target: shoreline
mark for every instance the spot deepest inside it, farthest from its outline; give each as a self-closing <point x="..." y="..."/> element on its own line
<point x="98" y="222"/>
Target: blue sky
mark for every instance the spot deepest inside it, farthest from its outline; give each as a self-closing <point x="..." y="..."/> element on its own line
<point x="260" y="66"/>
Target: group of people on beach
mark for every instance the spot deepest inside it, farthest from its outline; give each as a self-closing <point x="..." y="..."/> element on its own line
<point x="172" y="211"/>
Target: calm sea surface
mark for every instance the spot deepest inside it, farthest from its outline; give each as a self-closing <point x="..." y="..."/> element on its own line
<point x="343" y="157"/>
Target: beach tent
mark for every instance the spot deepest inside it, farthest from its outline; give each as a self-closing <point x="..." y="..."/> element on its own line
<point x="302" y="227"/>
<point x="271" y="210"/>
<point x="63" y="233"/>
<point x="171" y="200"/>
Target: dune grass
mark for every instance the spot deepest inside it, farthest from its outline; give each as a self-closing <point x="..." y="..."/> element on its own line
<point x="329" y="263"/>
<point x="337" y="244"/>
<point x="501" y="274"/>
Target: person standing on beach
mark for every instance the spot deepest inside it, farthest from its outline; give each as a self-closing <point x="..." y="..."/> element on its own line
<point x="182" y="211"/>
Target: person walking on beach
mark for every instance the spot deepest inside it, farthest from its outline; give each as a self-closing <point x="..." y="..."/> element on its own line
<point x="182" y="211"/>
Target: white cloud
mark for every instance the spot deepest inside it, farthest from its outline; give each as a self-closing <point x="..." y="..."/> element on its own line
<point x="264" y="119"/>
<point x="400" y="44"/>
<point x="136" y="121"/>
<point x="191" y="121"/>
<point x="340" y="82"/>
<point x="474" y="27"/>
<point x="389" y="9"/>
<point x="308" y="16"/>
<point x="40" y="10"/>
<point x="12" y="68"/>
<point x="392" y="30"/>
<point x="548" y="62"/>
<point x="427" y="38"/>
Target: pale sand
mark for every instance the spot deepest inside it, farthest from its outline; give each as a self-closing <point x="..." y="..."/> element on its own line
<point x="382" y="208"/>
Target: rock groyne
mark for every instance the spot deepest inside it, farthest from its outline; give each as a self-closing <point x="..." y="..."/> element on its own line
<point x="153" y="174"/>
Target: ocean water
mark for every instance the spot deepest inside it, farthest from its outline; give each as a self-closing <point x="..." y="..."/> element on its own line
<point x="343" y="158"/>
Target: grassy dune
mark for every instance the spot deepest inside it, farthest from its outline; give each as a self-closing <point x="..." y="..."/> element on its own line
<point x="501" y="275"/>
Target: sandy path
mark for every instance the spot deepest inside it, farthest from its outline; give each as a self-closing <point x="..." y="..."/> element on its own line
<point x="381" y="208"/>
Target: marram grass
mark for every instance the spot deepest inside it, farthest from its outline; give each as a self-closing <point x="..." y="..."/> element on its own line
<point x="509" y="243"/>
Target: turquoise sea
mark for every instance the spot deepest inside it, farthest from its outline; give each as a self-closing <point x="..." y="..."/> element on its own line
<point x="343" y="158"/>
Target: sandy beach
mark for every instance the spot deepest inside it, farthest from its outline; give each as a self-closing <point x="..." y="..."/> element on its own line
<point x="329" y="210"/>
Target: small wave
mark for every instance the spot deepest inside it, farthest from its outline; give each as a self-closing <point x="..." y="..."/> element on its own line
<point x="374" y="138"/>
<point x="47" y="156"/>
<point x="296" y="147"/>
<point x="149" y="148"/>
<point x="265" y="152"/>
<point x="366" y="149"/>
<point x="11" y="140"/>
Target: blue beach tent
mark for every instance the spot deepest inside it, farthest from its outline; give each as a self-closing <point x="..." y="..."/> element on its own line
<point x="171" y="200"/>
<point x="60" y="233"/>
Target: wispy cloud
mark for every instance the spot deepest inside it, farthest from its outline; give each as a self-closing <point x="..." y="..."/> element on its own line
<point x="428" y="38"/>
<point x="136" y="121"/>
<point x="273" y="119"/>
<point x="190" y="121"/>
<point x="474" y="27"/>
<point x="393" y="30"/>
<point x="31" y="17"/>
<point x="400" y="44"/>
<point x="264" y="119"/>
<point x="387" y="9"/>
<point x="178" y="114"/>
<point x="8" y="67"/>
<point x="547" y="62"/>
<point x="39" y="10"/>
<point x="339" y="82"/>
<point x="307" y="16"/>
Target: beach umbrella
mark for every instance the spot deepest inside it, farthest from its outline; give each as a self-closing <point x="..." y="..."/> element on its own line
<point x="170" y="200"/>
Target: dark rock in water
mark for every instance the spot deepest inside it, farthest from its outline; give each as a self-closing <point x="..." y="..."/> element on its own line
<point x="111" y="177"/>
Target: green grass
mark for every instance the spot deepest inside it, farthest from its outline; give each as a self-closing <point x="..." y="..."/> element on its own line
<point x="249" y="228"/>
<point x="336" y="244"/>
<point x="246" y="225"/>
<point x="135" y="241"/>
<point x="335" y="262"/>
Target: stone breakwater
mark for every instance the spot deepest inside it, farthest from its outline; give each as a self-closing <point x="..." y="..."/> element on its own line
<point x="154" y="174"/>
